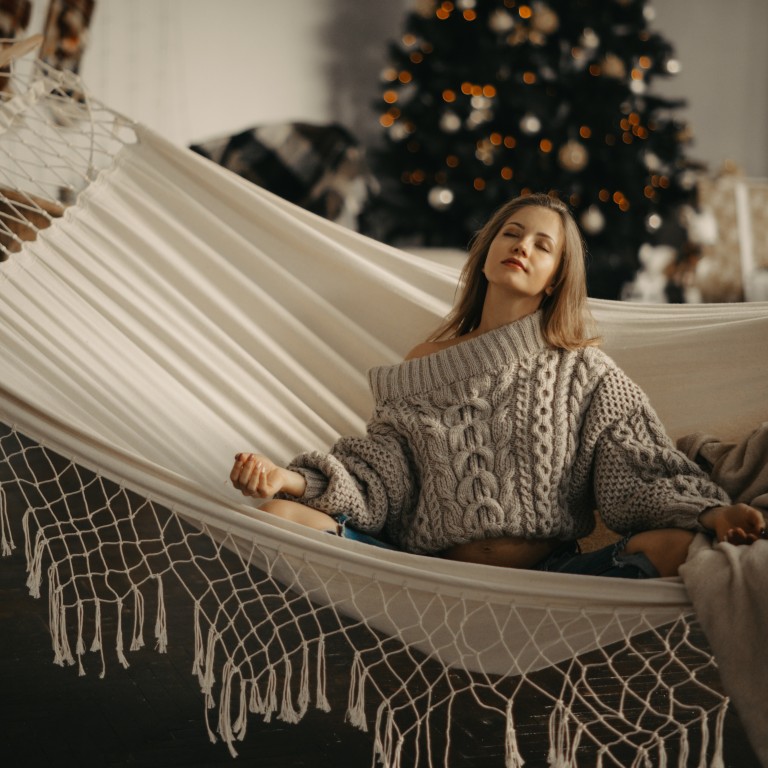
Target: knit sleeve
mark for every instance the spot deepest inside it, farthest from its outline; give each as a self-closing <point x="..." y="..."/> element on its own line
<point x="641" y="481"/>
<point x="369" y="479"/>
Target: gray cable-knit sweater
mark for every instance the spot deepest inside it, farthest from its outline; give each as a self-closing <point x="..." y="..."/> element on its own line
<point x="502" y="435"/>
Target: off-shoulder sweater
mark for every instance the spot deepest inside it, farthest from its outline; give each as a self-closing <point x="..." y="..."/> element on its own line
<point x="503" y="435"/>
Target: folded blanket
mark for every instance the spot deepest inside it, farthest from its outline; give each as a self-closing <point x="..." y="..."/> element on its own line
<point x="727" y="584"/>
<point x="741" y="469"/>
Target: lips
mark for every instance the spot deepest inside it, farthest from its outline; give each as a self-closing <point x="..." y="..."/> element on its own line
<point x="512" y="262"/>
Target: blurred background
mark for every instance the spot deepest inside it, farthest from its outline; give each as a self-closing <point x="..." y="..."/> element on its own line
<point x="411" y="120"/>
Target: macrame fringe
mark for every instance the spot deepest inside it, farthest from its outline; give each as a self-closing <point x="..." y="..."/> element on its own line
<point x="241" y="722"/>
<point x="387" y="748"/>
<point x="6" y="537"/>
<point x="161" y="623"/>
<point x="197" y="661"/>
<point x="717" y="751"/>
<point x="685" y="748"/>
<point x="558" y="736"/>
<point x="62" y="653"/>
<point x="225" y="703"/>
<point x="321" y="699"/>
<point x="288" y="712"/>
<point x="137" y="640"/>
<point x="119" y="638"/>
<point x="303" y="700"/>
<point x="265" y="705"/>
<point x="34" y="558"/>
<point x="80" y="647"/>
<point x="512" y="756"/>
<point x="208" y="678"/>
<point x="356" y="701"/>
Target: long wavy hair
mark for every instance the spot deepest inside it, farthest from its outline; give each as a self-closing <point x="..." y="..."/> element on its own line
<point x="567" y="321"/>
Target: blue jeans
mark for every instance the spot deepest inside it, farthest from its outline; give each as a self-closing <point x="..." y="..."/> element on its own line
<point x="609" y="561"/>
<point x="346" y="531"/>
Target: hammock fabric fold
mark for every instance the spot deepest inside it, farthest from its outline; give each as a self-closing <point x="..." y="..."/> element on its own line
<point x="176" y="315"/>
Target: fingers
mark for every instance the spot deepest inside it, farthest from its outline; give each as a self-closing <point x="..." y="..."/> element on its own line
<point x="248" y="474"/>
<point x="739" y="536"/>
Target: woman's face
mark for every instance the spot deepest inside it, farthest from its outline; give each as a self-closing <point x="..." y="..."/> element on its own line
<point x="524" y="256"/>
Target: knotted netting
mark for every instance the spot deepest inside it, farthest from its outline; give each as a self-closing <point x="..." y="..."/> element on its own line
<point x="159" y="314"/>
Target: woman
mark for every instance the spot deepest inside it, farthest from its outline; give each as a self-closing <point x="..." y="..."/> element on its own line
<point x="497" y="439"/>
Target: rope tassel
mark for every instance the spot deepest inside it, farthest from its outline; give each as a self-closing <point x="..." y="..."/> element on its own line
<point x="6" y="537"/>
<point x="356" y="701"/>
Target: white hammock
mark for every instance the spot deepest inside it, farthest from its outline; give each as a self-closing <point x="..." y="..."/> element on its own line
<point x="176" y="315"/>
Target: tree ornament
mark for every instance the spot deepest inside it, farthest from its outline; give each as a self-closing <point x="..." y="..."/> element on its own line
<point x="653" y="222"/>
<point x="501" y="21"/>
<point x="652" y="161"/>
<point x="613" y="66"/>
<point x="478" y="117"/>
<point x="425" y="8"/>
<point x="440" y="198"/>
<point x="398" y="131"/>
<point x="573" y="156"/>
<point x="485" y="152"/>
<point x="687" y="179"/>
<point x="544" y="19"/>
<point x="530" y="124"/>
<point x="450" y="122"/>
<point x="592" y="220"/>
<point x="589" y="39"/>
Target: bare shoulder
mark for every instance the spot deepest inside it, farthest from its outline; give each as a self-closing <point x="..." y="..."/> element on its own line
<point x="424" y="349"/>
<point x="430" y="347"/>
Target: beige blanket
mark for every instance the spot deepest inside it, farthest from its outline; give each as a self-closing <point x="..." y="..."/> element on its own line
<point x="728" y="585"/>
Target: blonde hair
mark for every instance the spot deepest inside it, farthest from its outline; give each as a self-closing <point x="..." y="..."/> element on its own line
<point x="567" y="321"/>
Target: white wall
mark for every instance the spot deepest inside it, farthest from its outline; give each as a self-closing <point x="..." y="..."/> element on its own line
<point x="193" y="69"/>
<point x="724" y="56"/>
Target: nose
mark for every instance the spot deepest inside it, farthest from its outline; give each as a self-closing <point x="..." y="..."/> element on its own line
<point x="522" y="246"/>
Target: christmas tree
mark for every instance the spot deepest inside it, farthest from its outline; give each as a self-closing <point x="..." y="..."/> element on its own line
<point x="488" y="99"/>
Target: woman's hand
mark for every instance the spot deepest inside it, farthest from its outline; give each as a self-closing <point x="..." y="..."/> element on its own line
<point x="256" y="475"/>
<point x="736" y="524"/>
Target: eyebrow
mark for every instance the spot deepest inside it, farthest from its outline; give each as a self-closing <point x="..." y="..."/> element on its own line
<point x="522" y="226"/>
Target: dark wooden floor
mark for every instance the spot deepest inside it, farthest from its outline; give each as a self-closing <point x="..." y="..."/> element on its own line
<point x="151" y="715"/>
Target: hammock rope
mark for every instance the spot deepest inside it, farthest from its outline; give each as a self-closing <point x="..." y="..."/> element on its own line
<point x="172" y="315"/>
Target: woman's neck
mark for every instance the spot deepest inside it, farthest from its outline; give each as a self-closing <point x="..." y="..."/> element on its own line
<point x="503" y="310"/>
